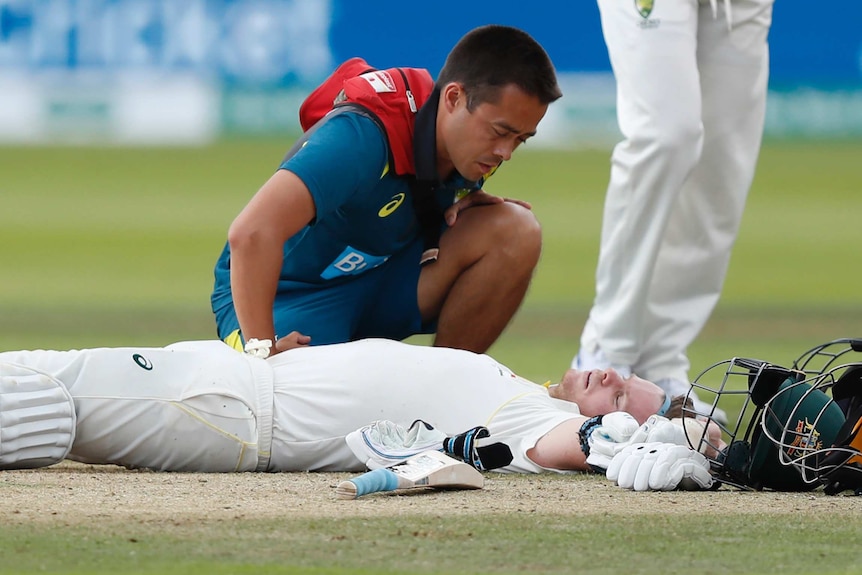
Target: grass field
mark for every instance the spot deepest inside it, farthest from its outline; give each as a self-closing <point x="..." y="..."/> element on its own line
<point x="116" y="247"/>
<point x="111" y="246"/>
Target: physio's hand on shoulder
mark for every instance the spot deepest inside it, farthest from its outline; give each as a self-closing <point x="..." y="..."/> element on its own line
<point x="477" y="198"/>
<point x="292" y="340"/>
<point x="660" y="467"/>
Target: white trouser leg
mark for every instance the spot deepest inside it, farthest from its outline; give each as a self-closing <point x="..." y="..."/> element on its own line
<point x="659" y="113"/>
<point x="695" y="251"/>
<point x="187" y="408"/>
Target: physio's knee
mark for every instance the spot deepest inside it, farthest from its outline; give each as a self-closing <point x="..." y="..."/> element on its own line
<point x="37" y="418"/>
<point x="509" y="230"/>
<point x="519" y="235"/>
<point x="504" y="236"/>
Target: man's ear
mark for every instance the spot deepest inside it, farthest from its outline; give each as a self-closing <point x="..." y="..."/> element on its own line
<point x="451" y="95"/>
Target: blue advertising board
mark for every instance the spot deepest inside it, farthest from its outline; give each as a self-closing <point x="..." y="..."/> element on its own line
<point x="245" y="64"/>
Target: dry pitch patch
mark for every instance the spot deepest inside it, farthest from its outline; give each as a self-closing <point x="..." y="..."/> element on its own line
<point x="75" y="494"/>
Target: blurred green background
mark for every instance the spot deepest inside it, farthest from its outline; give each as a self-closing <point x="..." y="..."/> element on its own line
<point x="115" y="246"/>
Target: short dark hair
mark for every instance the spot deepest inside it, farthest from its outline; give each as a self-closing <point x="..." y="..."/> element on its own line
<point x="491" y="57"/>
<point x="680" y="406"/>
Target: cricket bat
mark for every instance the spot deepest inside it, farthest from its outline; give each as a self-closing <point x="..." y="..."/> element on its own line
<point x="426" y="469"/>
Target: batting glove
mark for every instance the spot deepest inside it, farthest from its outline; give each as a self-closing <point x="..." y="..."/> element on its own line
<point x="659" y="467"/>
<point x="600" y="436"/>
<point x="622" y="430"/>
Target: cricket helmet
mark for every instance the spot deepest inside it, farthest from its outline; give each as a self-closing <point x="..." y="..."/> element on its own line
<point x="759" y="447"/>
<point x="831" y="371"/>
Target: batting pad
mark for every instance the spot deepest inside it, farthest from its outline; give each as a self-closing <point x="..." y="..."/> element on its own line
<point x="37" y="418"/>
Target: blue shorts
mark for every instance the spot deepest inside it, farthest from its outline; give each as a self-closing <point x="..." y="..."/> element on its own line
<point x="378" y="303"/>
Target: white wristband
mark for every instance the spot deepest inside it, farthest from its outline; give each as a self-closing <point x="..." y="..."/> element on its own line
<point x="258" y="347"/>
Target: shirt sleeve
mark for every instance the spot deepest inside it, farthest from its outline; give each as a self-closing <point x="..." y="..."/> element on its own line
<point x="346" y="156"/>
<point x="523" y="422"/>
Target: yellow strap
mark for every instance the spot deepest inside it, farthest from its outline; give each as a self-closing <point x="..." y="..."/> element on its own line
<point x="234" y="340"/>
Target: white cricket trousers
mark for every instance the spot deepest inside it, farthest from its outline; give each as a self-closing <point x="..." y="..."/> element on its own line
<point x="196" y="406"/>
<point x="691" y="94"/>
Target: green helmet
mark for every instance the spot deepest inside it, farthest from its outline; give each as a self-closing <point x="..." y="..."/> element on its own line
<point x="797" y="422"/>
<point x="784" y="416"/>
<point x="837" y="465"/>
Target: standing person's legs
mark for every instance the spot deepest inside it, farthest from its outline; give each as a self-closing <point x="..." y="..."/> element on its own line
<point x="658" y="109"/>
<point x="694" y="256"/>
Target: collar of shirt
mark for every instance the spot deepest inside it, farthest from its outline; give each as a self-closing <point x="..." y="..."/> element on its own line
<point x="425" y="139"/>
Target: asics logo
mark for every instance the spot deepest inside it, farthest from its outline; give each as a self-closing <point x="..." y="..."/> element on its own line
<point x="391" y="205"/>
<point x="142" y="362"/>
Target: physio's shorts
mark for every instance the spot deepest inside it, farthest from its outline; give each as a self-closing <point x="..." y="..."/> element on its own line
<point x="378" y="303"/>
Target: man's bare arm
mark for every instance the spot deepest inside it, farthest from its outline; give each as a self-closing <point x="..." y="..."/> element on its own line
<point x="560" y="448"/>
<point x="281" y="208"/>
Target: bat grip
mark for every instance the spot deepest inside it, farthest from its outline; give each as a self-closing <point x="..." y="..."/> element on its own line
<point x="374" y="481"/>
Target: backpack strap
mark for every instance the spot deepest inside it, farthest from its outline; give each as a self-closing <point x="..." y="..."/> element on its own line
<point x="425" y="204"/>
<point x="425" y="208"/>
<point x="401" y="101"/>
<point x="394" y="96"/>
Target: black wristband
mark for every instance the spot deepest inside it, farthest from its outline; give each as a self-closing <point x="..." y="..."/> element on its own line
<point x="586" y="429"/>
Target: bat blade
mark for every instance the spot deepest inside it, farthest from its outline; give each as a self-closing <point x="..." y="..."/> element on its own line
<point x="426" y="469"/>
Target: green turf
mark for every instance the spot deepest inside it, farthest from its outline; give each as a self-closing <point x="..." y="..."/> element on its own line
<point x="714" y="544"/>
<point x="111" y="246"/>
<point x="116" y="246"/>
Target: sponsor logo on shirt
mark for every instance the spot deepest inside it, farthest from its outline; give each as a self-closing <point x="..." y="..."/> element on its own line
<point x="142" y="362"/>
<point x="391" y="205"/>
<point x="351" y="262"/>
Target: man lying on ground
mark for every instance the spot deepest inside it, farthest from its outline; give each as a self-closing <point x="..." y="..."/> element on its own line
<point x="201" y="406"/>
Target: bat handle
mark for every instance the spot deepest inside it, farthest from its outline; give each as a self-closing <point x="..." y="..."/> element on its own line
<point x="371" y="482"/>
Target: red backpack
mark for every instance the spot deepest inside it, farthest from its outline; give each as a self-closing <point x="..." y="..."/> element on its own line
<point x="391" y="97"/>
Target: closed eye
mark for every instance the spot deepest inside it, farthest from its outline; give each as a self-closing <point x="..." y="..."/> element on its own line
<point x="504" y="131"/>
